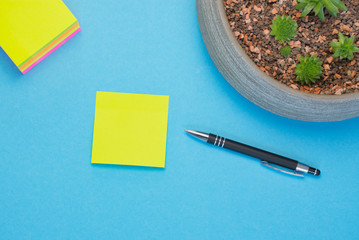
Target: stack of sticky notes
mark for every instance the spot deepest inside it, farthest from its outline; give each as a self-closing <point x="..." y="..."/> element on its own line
<point x="130" y="129"/>
<point x="30" y="30"/>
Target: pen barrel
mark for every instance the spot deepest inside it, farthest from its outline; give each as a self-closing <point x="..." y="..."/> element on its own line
<point x="253" y="152"/>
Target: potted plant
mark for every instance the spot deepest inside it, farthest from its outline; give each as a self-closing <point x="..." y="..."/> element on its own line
<point x="301" y="87"/>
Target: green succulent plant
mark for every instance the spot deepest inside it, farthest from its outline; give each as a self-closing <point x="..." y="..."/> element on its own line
<point x="285" y="51"/>
<point x="332" y="6"/>
<point x="345" y="48"/>
<point x="283" y="28"/>
<point x="309" y="70"/>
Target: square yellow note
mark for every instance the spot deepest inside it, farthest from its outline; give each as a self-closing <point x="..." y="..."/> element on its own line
<point x="130" y="129"/>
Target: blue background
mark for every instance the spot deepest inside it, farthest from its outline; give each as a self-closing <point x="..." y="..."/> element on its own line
<point x="50" y="190"/>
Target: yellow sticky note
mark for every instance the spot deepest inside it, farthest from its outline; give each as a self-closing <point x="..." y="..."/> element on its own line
<point x="30" y="30"/>
<point x="130" y="129"/>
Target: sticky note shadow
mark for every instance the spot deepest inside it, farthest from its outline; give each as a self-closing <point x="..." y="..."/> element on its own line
<point x="126" y="167"/>
<point x="7" y="66"/>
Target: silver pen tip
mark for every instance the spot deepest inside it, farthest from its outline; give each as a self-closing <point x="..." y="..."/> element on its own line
<point x="190" y="131"/>
<point x="200" y="135"/>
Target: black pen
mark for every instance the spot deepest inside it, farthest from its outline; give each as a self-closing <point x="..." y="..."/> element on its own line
<point x="266" y="157"/>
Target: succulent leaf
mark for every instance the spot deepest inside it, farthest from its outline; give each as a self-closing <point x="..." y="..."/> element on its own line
<point x="332" y="9"/>
<point x="285" y="51"/>
<point x="321" y="14"/>
<point x="283" y="28"/>
<point x="317" y="6"/>
<point x="344" y="48"/>
<point x="309" y="70"/>
<point x="339" y="4"/>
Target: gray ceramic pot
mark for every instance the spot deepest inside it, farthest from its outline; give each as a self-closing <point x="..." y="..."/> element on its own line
<point x="239" y="70"/>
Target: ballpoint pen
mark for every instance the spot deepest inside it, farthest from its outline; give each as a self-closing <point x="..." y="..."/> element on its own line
<point x="266" y="157"/>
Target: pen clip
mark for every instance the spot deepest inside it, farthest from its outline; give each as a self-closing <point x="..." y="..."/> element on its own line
<point x="294" y="173"/>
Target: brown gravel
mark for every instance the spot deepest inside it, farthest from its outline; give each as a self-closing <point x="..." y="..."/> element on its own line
<point x="250" y="21"/>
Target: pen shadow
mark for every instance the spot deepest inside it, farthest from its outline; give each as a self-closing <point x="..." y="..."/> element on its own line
<point x="126" y="167"/>
<point x="292" y="176"/>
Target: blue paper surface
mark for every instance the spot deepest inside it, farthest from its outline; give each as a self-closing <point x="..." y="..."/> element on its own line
<point x="50" y="190"/>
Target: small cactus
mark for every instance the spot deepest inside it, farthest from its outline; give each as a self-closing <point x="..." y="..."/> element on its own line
<point x="283" y="28"/>
<point x="285" y="51"/>
<point x="332" y="6"/>
<point x="309" y="70"/>
<point x="345" y="48"/>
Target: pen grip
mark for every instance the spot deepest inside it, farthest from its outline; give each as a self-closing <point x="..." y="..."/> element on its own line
<point x="253" y="152"/>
